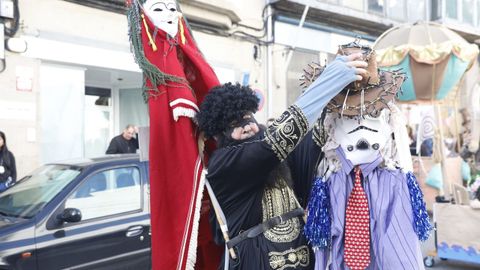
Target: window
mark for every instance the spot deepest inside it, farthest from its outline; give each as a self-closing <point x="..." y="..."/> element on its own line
<point x="478" y="13"/>
<point x="97" y="125"/>
<point x="132" y="110"/>
<point x="396" y="9"/>
<point x="375" y="6"/>
<point x="355" y="4"/>
<point x="108" y="193"/>
<point x="34" y="191"/>
<point x="436" y="13"/>
<point x="331" y="1"/>
<point x="451" y="9"/>
<point x="416" y="10"/>
<point x="467" y="11"/>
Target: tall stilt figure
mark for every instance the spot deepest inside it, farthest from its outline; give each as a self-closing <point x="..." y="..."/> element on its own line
<point x="176" y="78"/>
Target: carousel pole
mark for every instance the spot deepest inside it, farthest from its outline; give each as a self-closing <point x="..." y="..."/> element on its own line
<point x="447" y="184"/>
<point x="456" y="101"/>
<point x="445" y="191"/>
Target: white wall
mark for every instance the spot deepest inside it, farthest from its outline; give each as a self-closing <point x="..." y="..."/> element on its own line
<point x="19" y="111"/>
<point x="74" y="23"/>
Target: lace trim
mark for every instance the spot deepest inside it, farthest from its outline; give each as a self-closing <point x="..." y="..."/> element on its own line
<point x="290" y="258"/>
<point x="287" y="131"/>
<point x="275" y="202"/>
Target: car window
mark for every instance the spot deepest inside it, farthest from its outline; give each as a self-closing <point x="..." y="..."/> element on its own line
<point x="107" y="193"/>
<point x="34" y="191"/>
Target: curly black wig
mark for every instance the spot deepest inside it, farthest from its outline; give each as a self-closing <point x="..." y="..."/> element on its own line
<point x="223" y="105"/>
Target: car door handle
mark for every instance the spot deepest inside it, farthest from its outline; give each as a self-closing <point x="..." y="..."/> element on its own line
<point x="134" y="231"/>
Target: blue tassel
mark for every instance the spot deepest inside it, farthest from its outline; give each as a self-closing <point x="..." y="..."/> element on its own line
<point x="317" y="229"/>
<point x="421" y="222"/>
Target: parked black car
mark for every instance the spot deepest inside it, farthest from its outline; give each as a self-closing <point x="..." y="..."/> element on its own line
<point x="86" y="214"/>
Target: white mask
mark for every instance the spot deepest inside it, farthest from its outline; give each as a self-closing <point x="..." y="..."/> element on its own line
<point x="362" y="140"/>
<point x="163" y="14"/>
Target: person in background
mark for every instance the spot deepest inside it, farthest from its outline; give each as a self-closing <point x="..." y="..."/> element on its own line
<point x="8" y="169"/>
<point x="426" y="149"/>
<point x="413" y="141"/>
<point x="124" y="143"/>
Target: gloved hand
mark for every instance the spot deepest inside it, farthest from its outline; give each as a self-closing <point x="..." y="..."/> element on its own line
<point x="336" y="76"/>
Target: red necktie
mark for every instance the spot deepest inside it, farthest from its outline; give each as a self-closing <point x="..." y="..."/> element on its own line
<point x="357" y="227"/>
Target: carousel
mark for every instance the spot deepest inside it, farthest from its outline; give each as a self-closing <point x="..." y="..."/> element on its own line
<point x="435" y="60"/>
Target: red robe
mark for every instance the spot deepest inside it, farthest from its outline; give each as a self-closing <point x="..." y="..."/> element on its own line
<point x="175" y="164"/>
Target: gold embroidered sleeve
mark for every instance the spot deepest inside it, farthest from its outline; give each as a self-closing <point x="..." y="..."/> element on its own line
<point x="319" y="134"/>
<point x="287" y="131"/>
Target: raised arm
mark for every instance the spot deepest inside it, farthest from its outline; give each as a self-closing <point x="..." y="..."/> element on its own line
<point x="287" y="130"/>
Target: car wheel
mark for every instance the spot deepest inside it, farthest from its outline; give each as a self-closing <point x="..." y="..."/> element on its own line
<point x="428" y="261"/>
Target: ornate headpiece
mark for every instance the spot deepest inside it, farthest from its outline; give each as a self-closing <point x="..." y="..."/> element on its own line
<point x="366" y="97"/>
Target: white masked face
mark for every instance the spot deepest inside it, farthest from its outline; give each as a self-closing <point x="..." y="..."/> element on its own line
<point x="163" y="14"/>
<point x="362" y="141"/>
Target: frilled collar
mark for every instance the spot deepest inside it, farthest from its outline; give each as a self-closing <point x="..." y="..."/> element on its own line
<point x="366" y="168"/>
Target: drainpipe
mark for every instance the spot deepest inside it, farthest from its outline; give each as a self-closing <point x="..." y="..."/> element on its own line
<point x="269" y="60"/>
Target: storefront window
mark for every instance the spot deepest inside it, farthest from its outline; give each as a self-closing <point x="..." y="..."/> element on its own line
<point x="416" y="10"/>
<point x="355" y="4"/>
<point x="98" y="114"/>
<point x="132" y="108"/>
<point x="396" y="9"/>
<point x="376" y="6"/>
<point x="451" y="9"/>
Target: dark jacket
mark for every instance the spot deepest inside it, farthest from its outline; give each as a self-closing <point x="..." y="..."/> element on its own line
<point x="7" y="160"/>
<point x="239" y="174"/>
<point x="120" y="145"/>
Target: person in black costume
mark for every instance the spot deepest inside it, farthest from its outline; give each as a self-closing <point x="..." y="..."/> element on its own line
<point x="261" y="177"/>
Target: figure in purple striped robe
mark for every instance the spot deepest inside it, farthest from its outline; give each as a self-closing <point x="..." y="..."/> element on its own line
<point x="361" y="134"/>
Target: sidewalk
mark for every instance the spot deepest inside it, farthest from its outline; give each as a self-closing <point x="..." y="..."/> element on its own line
<point x="429" y="246"/>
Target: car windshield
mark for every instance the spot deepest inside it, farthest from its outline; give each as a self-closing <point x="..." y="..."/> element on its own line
<point x="34" y="191"/>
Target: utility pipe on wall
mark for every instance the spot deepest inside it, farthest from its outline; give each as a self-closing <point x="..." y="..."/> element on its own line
<point x="269" y="60"/>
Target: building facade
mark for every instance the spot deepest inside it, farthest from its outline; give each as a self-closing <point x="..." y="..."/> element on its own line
<point x="76" y="85"/>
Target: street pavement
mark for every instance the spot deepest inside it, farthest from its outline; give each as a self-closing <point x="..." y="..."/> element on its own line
<point x="429" y="246"/>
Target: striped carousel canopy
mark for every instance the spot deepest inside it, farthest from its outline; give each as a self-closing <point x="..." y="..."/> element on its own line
<point x="433" y="57"/>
